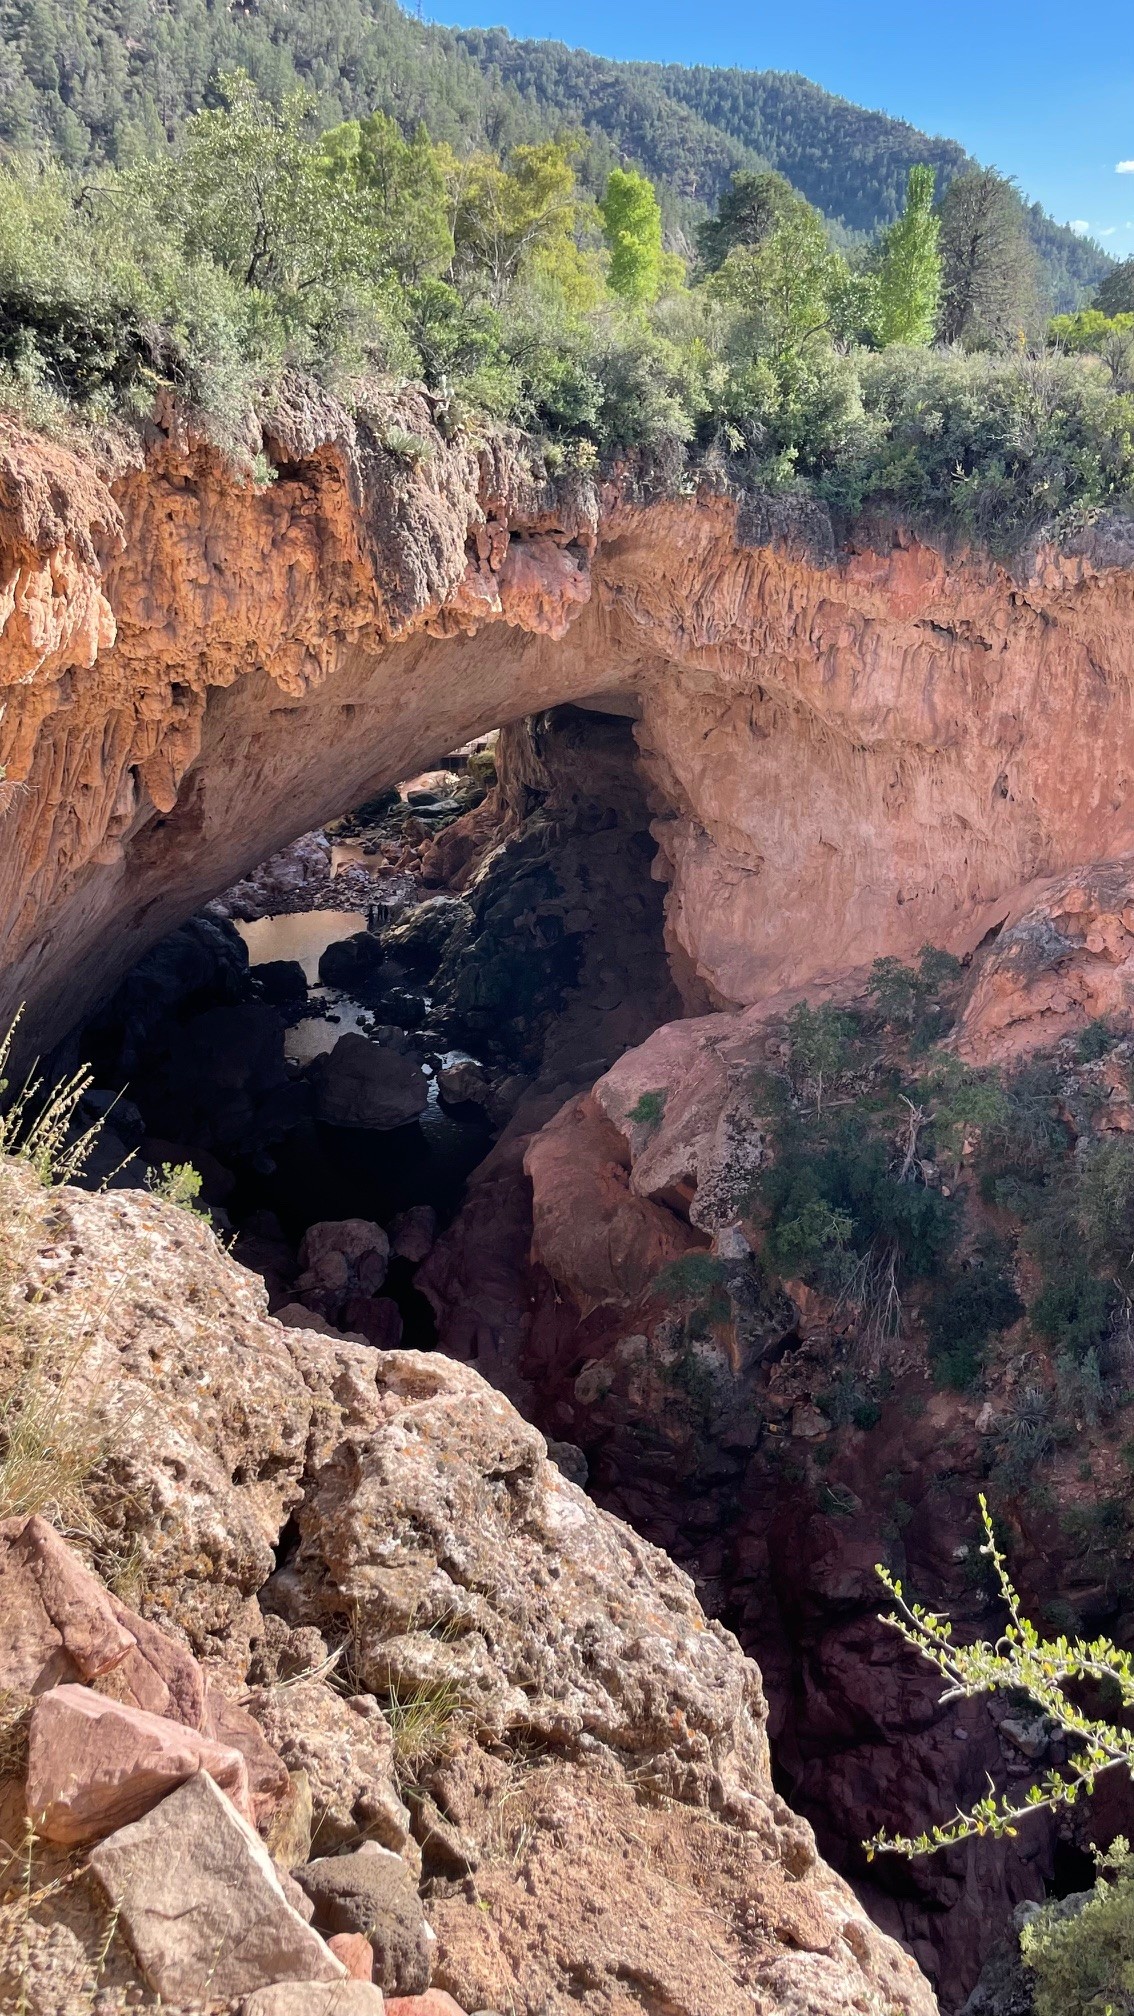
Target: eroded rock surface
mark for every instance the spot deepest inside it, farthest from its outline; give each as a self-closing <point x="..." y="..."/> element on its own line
<point x="200" y="670"/>
<point x="581" y="1731"/>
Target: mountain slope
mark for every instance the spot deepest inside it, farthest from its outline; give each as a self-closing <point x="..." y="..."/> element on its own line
<point x="115" y="78"/>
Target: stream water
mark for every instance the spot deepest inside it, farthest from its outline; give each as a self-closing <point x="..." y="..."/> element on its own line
<point x="325" y="1172"/>
<point x="303" y="935"/>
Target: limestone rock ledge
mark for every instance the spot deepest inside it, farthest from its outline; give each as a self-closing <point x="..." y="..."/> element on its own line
<point x="593" y="1814"/>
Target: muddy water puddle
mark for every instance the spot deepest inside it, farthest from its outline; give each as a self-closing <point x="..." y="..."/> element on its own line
<point x="304" y="935"/>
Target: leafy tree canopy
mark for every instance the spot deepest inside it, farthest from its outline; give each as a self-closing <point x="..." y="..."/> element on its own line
<point x="632" y="227"/>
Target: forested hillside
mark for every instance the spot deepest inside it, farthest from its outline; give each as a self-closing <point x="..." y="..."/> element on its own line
<point x="116" y="79"/>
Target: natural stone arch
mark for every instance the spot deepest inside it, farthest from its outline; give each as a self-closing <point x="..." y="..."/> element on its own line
<point x="850" y="752"/>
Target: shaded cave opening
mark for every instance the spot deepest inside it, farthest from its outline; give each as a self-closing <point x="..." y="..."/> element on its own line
<point x="490" y="932"/>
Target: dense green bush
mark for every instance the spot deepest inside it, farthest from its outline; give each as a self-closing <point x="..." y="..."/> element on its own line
<point x="970" y="1306"/>
<point x="997" y="445"/>
<point x="1082" y="1954"/>
<point x="908" y="997"/>
<point x="834" y="1200"/>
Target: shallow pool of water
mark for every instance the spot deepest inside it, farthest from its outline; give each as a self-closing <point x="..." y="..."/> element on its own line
<point x="316" y="1034"/>
<point x="352" y="854"/>
<point x="304" y="936"/>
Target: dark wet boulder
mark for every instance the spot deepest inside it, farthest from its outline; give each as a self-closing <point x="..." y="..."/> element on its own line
<point x="358" y="1084"/>
<point x="281" y="980"/>
<point x="352" y="963"/>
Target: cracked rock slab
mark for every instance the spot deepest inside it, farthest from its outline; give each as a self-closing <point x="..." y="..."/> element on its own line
<point x="200" y="1902"/>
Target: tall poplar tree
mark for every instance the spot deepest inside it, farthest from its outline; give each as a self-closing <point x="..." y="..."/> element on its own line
<point x="907" y="270"/>
<point x="632" y="227"/>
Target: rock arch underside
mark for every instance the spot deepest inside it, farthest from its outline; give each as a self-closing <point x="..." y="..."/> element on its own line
<point x="851" y="745"/>
<point x="852" y="752"/>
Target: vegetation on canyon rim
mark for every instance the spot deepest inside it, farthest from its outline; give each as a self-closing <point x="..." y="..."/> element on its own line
<point x="911" y="372"/>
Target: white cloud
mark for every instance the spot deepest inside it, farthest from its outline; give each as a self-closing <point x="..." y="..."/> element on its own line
<point x="1124" y="167"/>
<point x="1108" y="233"/>
<point x="1080" y="225"/>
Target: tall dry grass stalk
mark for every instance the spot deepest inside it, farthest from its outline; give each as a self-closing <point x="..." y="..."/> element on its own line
<point x="37" y="1123"/>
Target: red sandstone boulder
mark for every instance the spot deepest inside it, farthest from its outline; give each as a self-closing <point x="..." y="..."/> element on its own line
<point x="355" y="1952"/>
<point x="435" y="2002"/>
<point x="315" y="1998"/>
<point x="95" y="1765"/>
<point x="59" y="1622"/>
<point x="227" y="1723"/>
<point x="591" y="1231"/>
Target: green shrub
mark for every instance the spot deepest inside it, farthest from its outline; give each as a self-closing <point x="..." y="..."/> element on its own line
<point x="820" y="1048"/>
<point x="971" y="1305"/>
<point x="840" y="1216"/>
<point x="1081" y="1955"/>
<point x="966" y="1105"/>
<point x="1097" y="1038"/>
<point x="906" y="996"/>
<point x="851" y="1400"/>
<point x="648" y="1110"/>
<point x="1074" y="1310"/>
<point x="997" y="446"/>
<point x="177" y="1183"/>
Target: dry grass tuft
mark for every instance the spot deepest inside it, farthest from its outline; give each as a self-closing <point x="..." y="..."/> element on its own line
<point x="15" y="1715"/>
<point x="424" y="1724"/>
<point x="37" y="1123"/>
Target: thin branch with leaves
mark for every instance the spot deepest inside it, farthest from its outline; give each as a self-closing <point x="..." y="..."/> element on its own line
<point x="1022" y="1661"/>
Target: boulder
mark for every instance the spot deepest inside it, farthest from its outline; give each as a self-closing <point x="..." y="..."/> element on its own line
<point x="94" y="1765"/>
<point x="372" y="1892"/>
<point x="315" y="1998"/>
<point x="233" y="1049"/>
<point x="345" y="1749"/>
<point x="412" y="1233"/>
<point x="61" y="1625"/>
<point x="344" y="1266"/>
<point x="355" y="1952"/>
<point x="351" y="963"/>
<point x="354" y="1238"/>
<point x="360" y="1085"/>
<point x="421" y="938"/>
<point x="281" y="980"/>
<point x="200" y="1902"/>
<point x="463" y="1084"/>
<point x="226" y="1722"/>
<point x="59" y="1621"/>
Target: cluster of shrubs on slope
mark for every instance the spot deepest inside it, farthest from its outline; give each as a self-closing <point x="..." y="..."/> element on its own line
<point x="265" y="239"/>
<point x="902" y="1179"/>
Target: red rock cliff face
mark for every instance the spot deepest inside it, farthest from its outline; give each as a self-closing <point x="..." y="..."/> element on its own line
<point x="851" y="752"/>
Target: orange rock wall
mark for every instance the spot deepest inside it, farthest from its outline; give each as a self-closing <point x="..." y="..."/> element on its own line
<point x="850" y="752"/>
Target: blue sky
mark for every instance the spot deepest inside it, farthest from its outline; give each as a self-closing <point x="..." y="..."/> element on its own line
<point x="1044" y="92"/>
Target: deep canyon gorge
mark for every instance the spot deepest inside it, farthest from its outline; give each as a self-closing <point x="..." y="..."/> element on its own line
<point x="744" y="753"/>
